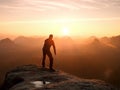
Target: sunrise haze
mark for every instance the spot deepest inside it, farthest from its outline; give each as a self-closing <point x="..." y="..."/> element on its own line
<point x="42" y="17"/>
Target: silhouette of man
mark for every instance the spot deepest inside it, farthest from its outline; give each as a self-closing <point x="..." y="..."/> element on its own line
<point x="46" y="51"/>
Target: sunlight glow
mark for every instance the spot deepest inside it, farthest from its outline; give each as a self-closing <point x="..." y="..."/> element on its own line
<point x="65" y="31"/>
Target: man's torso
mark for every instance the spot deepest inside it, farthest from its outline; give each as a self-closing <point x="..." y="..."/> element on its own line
<point x="48" y="43"/>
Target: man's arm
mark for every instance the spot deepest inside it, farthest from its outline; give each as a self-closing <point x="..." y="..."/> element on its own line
<point x="54" y="47"/>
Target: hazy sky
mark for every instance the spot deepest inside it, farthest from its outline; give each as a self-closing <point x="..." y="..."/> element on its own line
<point x="41" y="17"/>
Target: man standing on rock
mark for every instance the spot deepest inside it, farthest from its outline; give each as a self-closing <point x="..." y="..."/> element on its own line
<point x="46" y="51"/>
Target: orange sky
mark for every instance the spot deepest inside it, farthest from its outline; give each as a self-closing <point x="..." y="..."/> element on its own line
<point x="42" y="17"/>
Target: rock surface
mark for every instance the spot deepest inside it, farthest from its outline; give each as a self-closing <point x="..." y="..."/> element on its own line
<point x="31" y="77"/>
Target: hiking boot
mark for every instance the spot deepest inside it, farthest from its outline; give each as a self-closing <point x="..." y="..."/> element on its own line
<point x="51" y="69"/>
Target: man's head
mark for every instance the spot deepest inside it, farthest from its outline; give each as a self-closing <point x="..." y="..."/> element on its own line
<point x="50" y="36"/>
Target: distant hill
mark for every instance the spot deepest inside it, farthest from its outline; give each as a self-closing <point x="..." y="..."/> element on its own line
<point x="6" y="41"/>
<point x="29" y="41"/>
<point x="7" y="44"/>
<point x="116" y="41"/>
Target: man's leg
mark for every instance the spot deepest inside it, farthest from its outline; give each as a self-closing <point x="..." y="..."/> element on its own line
<point x="51" y="60"/>
<point x="43" y="60"/>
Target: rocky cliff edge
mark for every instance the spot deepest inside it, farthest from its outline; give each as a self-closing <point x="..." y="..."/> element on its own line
<point x="31" y="77"/>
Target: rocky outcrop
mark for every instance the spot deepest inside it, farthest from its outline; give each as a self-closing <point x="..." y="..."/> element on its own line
<point x="31" y="77"/>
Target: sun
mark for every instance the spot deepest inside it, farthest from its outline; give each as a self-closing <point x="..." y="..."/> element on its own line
<point x="65" y="31"/>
